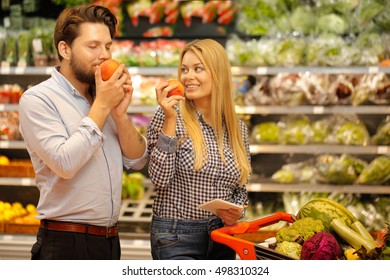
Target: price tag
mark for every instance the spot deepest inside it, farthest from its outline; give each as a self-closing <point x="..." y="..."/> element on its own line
<point x="383" y="150"/>
<point x="5" y="68"/>
<point x="37" y="45"/>
<point x="4" y="144"/>
<point x="25" y="182"/>
<point x="261" y="71"/>
<point x="373" y="69"/>
<point x="318" y="110"/>
<point x="133" y="70"/>
<point x="48" y="70"/>
<point x="20" y="70"/>
<point x="249" y="110"/>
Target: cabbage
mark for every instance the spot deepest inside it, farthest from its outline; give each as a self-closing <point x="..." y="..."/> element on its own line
<point x="382" y="135"/>
<point x="266" y="132"/>
<point x="331" y="23"/>
<point x="352" y="133"/>
<point x="291" y="52"/>
<point x="343" y="169"/>
<point x="321" y="246"/>
<point x="377" y="172"/>
<point x="302" y="19"/>
<point x="341" y="6"/>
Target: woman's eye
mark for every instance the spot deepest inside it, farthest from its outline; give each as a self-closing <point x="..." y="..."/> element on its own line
<point x="184" y="70"/>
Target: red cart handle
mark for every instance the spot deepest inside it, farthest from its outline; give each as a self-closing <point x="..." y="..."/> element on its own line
<point x="244" y="248"/>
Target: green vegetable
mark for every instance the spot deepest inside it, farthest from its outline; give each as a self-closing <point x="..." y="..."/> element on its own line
<point x="377" y="172"/>
<point x="292" y="249"/>
<point x="303" y="228"/>
<point x="339" y="170"/>
<point x="326" y="210"/>
<point x="353" y="238"/>
<point x="283" y="176"/>
<point x="359" y="228"/>
<point x="133" y="185"/>
<point x="331" y="23"/>
<point x="297" y="131"/>
<point x="266" y="132"/>
<point x="302" y="19"/>
<point x="352" y="133"/>
<point x="382" y="135"/>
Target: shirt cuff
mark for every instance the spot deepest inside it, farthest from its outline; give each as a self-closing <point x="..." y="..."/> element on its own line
<point x="167" y="143"/>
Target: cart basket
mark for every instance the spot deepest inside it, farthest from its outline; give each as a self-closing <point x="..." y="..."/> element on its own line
<point x="248" y="250"/>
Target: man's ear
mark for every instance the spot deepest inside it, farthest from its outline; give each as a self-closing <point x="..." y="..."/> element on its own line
<point x="64" y="49"/>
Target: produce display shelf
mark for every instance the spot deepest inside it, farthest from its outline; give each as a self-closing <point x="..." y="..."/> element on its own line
<point x="302" y="187"/>
<point x="318" y="149"/>
<point x="138" y="210"/>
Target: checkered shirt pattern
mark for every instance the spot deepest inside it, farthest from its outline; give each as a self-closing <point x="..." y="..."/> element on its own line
<point x="179" y="188"/>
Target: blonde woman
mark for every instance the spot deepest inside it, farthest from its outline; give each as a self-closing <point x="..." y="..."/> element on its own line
<point x="199" y="151"/>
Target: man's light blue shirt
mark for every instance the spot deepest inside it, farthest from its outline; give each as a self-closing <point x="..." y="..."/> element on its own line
<point x="78" y="167"/>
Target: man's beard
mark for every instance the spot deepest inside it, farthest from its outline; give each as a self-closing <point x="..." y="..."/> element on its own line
<point x="81" y="73"/>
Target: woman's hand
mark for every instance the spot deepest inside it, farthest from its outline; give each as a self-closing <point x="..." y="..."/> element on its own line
<point x="230" y="216"/>
<point x="168" y="104"/>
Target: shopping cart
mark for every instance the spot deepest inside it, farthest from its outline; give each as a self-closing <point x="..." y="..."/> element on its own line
<point x="248" y="250"/>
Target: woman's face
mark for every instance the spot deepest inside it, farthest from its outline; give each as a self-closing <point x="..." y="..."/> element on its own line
<point x="195" y="78"/>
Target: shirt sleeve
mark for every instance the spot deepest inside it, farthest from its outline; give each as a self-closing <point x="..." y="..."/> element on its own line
<point x="138" y="163"/>
<point x="65" y="150"/>
<point x="161" y="150"/>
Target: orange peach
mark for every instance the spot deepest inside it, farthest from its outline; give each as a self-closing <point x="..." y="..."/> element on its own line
<point x="108" y="68"/>
<point x="177" y="91"/>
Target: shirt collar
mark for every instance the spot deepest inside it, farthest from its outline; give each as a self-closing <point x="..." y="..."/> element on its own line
<point x="63" y="82"/>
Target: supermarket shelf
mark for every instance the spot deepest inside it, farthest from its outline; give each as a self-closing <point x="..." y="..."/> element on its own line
<point x="267" y="109"/>
<point x="142" y="109"/>
<point x="315" y="110"/>
<point x="319" y="149"/>
<point x="355" y="189"/>
<point x="163" y="71"/>
<point x="138" y="211"/>
<point x="13" y="181"/>
<point x="136" y="214"/>
<point x="12" y="144"/>
<point x="310" y="69"/>
<point x="276" y="148"/>
<point x="9" y="107"/>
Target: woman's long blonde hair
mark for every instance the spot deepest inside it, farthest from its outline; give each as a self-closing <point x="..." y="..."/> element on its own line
<point x="214" y="58"/>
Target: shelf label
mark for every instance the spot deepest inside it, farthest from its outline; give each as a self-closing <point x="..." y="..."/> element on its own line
<point x="318" y="110"/>
<point x="48" y="70"/>
<point x="20" y="70"/>
<point x="261" y="70"/>
<point x="4" y="144"/>
<point x="25" y="182"/>
<point x="373" y="70"/>
<point x="5" y="68"/>
<point x="383" y="150"/>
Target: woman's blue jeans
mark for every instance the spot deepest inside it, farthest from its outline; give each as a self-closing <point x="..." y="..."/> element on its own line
<point x="173" y="239"/>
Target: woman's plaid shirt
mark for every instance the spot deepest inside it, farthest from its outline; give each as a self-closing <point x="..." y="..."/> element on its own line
<point x="180" y="189"/>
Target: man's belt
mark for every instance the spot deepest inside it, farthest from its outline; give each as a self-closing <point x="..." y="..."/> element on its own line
<point x="80" y="228"/>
